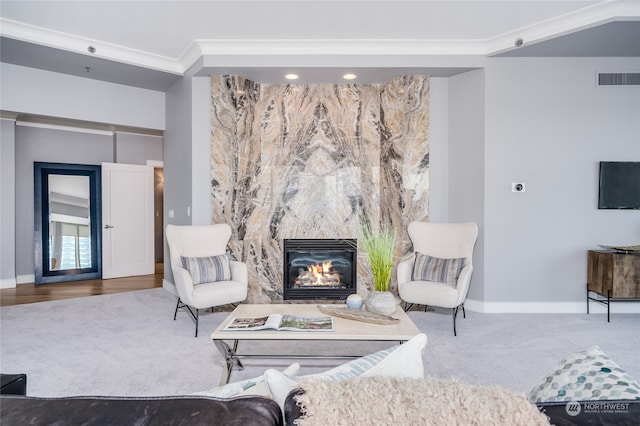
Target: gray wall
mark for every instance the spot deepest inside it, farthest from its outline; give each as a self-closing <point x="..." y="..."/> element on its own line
<point x="61" y="146"/>
<point x="135" y="148"/>
<point x="201" y="151"/>
<point x="33" y="91"/>
<point x="466" y="166"/>
<point x="548" y="125"/>
<point x="439" y="150"/>
<point x="38" y="92"/>
<point x="177" y="150"/>
<point x="7" y="204"/>
<point x="540" y="121"/>
<point x="187" y="153"/>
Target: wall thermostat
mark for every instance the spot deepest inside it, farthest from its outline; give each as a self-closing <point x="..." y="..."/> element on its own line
<point x="517" y="187"/>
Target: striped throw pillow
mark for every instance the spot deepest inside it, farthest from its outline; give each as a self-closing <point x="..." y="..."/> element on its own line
<point x="428" y="268"/>
<point x="207" y="269"/>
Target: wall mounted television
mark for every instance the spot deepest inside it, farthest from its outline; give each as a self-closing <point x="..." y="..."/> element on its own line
<point x="619" y="186"/>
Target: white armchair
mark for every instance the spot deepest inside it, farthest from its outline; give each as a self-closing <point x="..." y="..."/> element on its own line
<point x="444" y="265"/>
<point x="198" y="255"/>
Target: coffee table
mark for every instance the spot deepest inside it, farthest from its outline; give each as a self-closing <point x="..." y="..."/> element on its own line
<point x="344" y="330"/>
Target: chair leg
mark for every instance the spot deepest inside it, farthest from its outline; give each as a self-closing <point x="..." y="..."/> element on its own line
<point x="176" y="312"/>
<point x="197" y="316"/>
<point x="194" y="315"/>
<point x="455" y="313"/>
<point x="464" y="314"/>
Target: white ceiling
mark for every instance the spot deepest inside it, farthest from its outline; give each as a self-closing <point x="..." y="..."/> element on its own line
<point x="151" y="44"/>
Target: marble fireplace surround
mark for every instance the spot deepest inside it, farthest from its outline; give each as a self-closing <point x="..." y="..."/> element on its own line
<point x="316" y="161"/>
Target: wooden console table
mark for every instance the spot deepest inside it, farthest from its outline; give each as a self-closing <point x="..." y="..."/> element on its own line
<point x="614" y="276"/>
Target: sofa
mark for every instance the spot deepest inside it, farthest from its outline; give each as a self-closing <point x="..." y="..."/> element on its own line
<point x="187" y="410"/>
<point x="246" y="410"/>
<point x="16" y="408"/>
<point x="585" y="388"/>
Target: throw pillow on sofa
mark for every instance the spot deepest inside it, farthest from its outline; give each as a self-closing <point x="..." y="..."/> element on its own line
<point x="255" y="386"/>
<point x="585" y="376"/>
<point x="399" y="361"/>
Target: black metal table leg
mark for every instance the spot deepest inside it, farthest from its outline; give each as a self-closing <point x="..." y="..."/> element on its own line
<point x="587" y="298"/>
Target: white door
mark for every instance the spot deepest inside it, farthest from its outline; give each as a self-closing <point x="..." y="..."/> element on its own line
<point x="127" y="220"/>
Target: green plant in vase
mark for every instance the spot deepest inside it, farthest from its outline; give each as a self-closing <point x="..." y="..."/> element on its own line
<point x="379" y="246"/>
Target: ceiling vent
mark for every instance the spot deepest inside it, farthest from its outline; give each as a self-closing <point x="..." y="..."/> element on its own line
<point x="618" y="79"/>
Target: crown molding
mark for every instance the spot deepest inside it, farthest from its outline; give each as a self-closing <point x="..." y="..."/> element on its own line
<point x="336" y="47"/>
<point x="77" y="44"/>
<point x="584" y="18"/>
<point x="322" y="48"/>
<point x="191" y="55"/>
<point x="341" y="47"/>
<point x="588" y="17"/>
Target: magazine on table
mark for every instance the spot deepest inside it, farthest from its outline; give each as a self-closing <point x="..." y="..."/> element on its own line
<point x="281" y="323"/>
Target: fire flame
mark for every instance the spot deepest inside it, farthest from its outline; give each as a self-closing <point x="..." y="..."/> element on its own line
<point x="318" y="271"/>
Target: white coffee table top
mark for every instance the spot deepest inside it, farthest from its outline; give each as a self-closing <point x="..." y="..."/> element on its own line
<point x="344" y="329"/>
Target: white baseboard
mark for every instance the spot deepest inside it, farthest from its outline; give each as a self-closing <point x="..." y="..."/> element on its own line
<point x="8" y="283"/>
<point x="26" y="279"/>
<point x="630" y="307"/>
<point x="170" y="287"/>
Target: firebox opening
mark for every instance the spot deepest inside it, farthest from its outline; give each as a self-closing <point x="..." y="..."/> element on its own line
<point x="319" y="269"/>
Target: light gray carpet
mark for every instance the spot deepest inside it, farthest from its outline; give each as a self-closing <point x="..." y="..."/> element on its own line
<point x="128" y="344"/>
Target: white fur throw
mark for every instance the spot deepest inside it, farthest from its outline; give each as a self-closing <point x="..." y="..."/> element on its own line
<point x="408" y="401"/>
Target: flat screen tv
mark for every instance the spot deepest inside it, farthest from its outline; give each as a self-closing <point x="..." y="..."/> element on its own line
<point x="619" y="185"/>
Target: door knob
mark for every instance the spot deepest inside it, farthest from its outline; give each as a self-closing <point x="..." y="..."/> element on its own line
<point x="108" y="227"/>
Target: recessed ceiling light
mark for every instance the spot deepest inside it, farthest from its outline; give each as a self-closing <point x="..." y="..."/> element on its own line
<point x="349" y="76"/>
<point x="291" y="76"/>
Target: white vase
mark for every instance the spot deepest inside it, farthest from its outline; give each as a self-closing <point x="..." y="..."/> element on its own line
<point x="381" y="302"/>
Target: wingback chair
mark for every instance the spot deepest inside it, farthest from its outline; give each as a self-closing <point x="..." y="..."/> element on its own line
<point x="439" y="272"/>
<point x="203" y="273"/>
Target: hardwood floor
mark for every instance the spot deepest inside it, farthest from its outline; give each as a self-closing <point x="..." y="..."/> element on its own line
<point x="32" y="293"/>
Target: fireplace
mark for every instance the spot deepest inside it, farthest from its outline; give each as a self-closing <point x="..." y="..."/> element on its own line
<point x="319" y="269"/>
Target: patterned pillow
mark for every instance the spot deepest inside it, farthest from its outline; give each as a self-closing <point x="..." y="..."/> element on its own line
<point x="207" y="269"/>
<point x="585" y="376"/>
<point x="427" y="268"/>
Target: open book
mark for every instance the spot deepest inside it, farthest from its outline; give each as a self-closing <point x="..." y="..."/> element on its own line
<point x="281" y="322"/>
